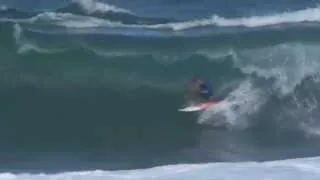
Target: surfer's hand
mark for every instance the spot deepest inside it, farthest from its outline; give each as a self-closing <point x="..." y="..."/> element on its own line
<point x="204" y="91"/>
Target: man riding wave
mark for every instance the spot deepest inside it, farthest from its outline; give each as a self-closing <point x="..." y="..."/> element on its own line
<point x="202" y="88"/>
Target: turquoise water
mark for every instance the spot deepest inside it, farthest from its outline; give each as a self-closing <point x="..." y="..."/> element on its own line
<point x="86" y="85"/>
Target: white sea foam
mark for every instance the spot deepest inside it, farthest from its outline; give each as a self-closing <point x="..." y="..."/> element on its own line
<point x="287" y="63"/>
<point x="294" y="169"/>
<point x="305" y="15"/>
<point x="25" y="46"/>
<point x="91" y="6"/>
<point x="234" y="111"/>
<point x="70" y="20"/>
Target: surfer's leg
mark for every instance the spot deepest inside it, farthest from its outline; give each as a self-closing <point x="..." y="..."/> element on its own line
<point x="206" y="96"/>
<point x="209" y="96"/>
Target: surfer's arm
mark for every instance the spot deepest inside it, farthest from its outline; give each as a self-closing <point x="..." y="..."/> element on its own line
<point x="193" y="91"/>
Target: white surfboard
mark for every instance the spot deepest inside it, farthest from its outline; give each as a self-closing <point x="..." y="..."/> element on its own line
<point x="198" y="107"/>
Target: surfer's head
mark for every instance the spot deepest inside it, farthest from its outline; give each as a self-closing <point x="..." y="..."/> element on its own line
<point x="195" y="78"/>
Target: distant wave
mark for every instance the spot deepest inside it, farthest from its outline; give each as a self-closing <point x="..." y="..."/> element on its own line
<point x="307" y="15"/>
<point x="92" y="6"/>
<point x="70" y="20"/>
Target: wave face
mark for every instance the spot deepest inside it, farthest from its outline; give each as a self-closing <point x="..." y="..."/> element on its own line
<point x="89" y="85"/>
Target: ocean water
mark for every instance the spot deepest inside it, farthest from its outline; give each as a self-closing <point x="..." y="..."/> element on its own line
<point x="91" y="89"/>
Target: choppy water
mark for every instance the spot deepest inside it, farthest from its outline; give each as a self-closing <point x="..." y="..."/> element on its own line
<point x="95" y="85"/>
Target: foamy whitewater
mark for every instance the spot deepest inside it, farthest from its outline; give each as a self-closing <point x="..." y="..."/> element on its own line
<point x="305" y="168"/>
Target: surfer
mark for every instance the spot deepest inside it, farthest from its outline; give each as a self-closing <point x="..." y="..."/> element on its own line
<point x="202" y="88"/>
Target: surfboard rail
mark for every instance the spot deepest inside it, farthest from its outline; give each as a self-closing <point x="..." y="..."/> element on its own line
<point x="198" y="107"/>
